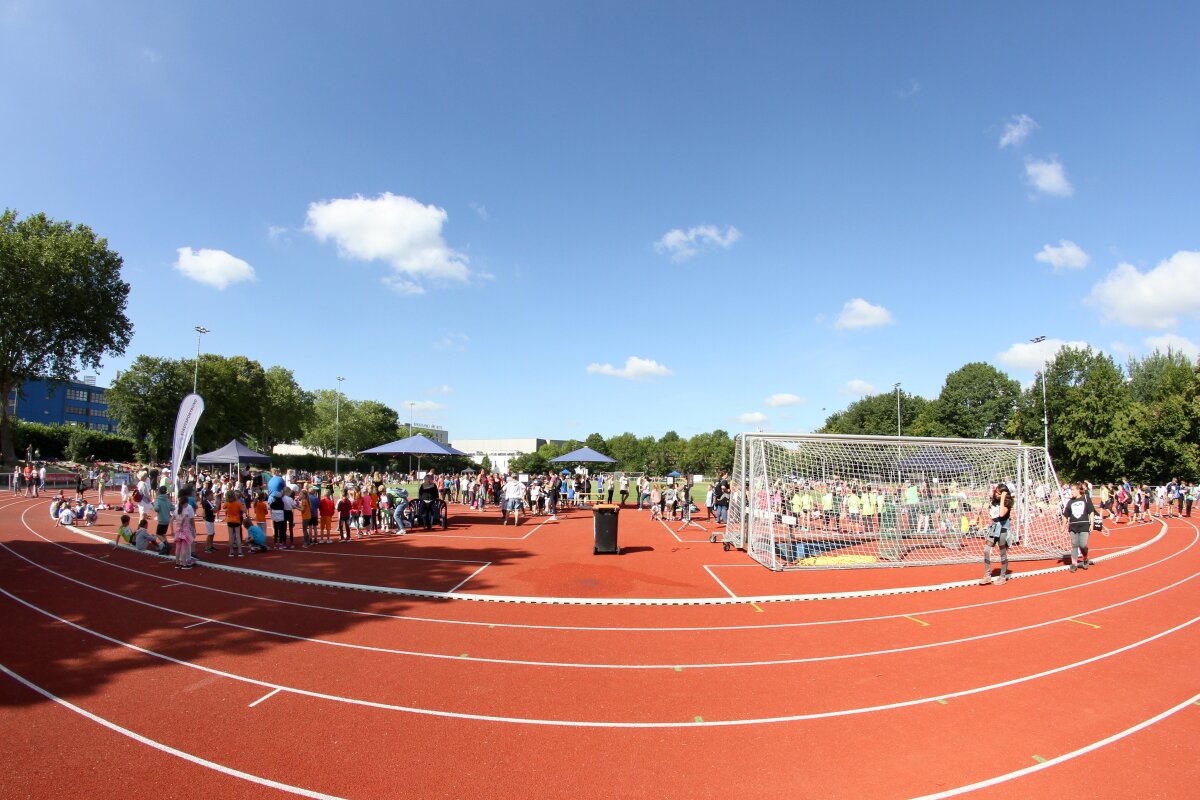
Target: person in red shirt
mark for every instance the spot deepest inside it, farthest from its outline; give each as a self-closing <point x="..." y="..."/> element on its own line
<point x="344" y="508"/>
<point x="325" y="526"/>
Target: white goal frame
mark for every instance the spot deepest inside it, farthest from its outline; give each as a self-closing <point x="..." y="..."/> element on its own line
<point x="953" y="476"/>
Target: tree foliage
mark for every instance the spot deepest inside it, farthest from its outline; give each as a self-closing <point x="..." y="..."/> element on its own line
<point x="62" y="302"/>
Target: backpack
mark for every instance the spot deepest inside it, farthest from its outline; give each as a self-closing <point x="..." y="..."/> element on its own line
<point x="137" y="496"/>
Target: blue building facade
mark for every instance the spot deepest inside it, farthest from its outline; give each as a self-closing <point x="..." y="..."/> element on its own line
<point x="72" y="403"/>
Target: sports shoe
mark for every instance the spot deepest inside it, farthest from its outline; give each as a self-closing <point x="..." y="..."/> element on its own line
<point x="210" y="549"/>
<point x="1085" y="564"/>
<point x="1074" y="567"/>
<point x="1001" y="580"/>
<point x="985" y="580"/>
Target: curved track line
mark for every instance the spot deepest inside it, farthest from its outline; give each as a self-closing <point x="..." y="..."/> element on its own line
<point x="1064" y="757"/>
<point x="526" y="626"/>
<point x="577" y="665"/>
<point x="600" y="723"/>
<point x="172" y="751"/>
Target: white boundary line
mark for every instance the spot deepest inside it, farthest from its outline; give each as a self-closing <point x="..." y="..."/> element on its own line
<point x="266" y="696"/>
<point x="168" y="749"/>
<point x="608" y="724"/>
<point x="720" y="583"/>
<point x="1020" y="773"/>
<point x="577" y="665"/>
<point x="472" y="575"/>
<point x="925" y="612"/>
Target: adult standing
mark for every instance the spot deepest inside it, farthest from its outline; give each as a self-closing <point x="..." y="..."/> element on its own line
<point x="164" y="512"/>
<point x="514" y="497"/>
<point x="428" y="494"/>
<point x="1000" y="512"/>
<point x="624" y="488"/>
<point x="1077" y="517"/>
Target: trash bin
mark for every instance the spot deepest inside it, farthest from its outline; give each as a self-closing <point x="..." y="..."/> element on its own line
<point x="604" y="521"/>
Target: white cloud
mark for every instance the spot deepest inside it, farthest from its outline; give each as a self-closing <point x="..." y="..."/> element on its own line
<point x="635" y="369"/>
<point x="1156" y="298"/>
<point x="781" y="399"/>
<point x="681" y="245"/>
<point x="455" y="341"/>
<point x="215" y="268"/>
<point x="422" y="405"/>
<point x="481" y="210"/>
<point x="858" y="313"/>
<point x="398" y="230"/>
<point x="1067" y="255"/>
<point x="857" y="388"/>
<point x="908" y="91"/>
<point x="1017" y="130"/>
<point x="1033" y="357"/>
<point x="1175" y="343"/>
<point x="751" y="418"/>
<point x="443" y="389"/>
<point x="276" y="232"/>
<point x="1048" y="177"/>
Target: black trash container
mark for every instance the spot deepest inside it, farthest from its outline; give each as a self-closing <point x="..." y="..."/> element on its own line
<point x="604" y="521"/>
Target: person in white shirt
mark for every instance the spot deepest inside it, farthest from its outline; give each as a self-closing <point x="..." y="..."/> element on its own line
<point x="514" y="497"/>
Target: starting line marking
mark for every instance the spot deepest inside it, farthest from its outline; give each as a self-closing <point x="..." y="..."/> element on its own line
<point x="460" y="584"/>
<point x="266" y="696"/>
<point x="942" y="701"/>
<point x="196" y="624"/>
<point x="919" y="622"/>
<point x="1039" y="759"/>
<point x="1081" y="622"/>
<point x="756" y="608"/>
<point x="169" y="585"/>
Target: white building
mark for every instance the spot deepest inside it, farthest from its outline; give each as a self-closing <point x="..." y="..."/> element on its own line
<point x="500" y="451"/>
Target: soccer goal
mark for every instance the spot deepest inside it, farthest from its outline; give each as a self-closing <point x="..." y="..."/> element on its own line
<point x="823" y="501"/>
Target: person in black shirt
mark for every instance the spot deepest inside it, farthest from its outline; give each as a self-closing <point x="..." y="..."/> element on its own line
<point x="428" y="495"/>
<point x="1000" y="512"/>
<point x="1077" y="516"/>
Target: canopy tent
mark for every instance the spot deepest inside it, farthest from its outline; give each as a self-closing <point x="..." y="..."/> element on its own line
<point x="583" y="454"/>
<point x="418" y="445"/>
<point x="933" y="460"/>
<point x="674" y="474"/>
<point x="233" y="453"/>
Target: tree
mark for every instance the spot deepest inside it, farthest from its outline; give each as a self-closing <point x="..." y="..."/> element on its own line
<point x="62" y="301"/>
<point x="875" y="415"/>
<point x="977" y="401"/>
<point x="486" y="465"/>
<point x="369" y="423"/>
<point x="286" y="408"/>
<point x="531" y="463"/>
<point x="319" y="431"/>
<point x="626" y="449"/>
<point x="144" y="400"/>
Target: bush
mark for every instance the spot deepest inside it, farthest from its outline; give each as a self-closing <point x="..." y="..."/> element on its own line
<point x="70" y="442"/>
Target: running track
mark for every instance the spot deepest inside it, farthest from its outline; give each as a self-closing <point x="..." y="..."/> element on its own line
<point x="123" y="677"/>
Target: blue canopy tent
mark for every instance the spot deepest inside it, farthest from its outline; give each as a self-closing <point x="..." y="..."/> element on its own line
<point x="418" y="445"/>
<point x="583" y="454"/>
<point x="935" y="461"/>
<point x="673" y="474"/>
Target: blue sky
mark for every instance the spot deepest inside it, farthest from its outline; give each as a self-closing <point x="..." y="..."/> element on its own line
<point x="544" y="219"/>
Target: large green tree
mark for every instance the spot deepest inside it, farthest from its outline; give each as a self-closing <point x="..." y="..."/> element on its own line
<point x="875" y="415"/>
<point x="144" y="400"/>
<point x="62" y="304"/>
<point x="976" y="402"/>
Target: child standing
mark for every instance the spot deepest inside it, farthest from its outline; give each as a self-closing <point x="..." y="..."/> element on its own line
<point x="344" y="509"/>
<point x="233" y="520"/>
<point x="185" y="533"/>
<point x="325" y="525"/>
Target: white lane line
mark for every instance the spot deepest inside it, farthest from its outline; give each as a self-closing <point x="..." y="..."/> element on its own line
<point x="526" y="626"/>
<point x="266" y="696"/>
<point x="667" y="528"/>
<point x="601" y="723"/>
<point x="196" y="624"/>
<point x="169" y="585"/>
<point x="401" y="558"/>
<point x="576" y="665"/>
<point x="1020" y="773"/>
<point x="472" y="575"/>
<point x="172" y="750"/>
<point x="720" y="583"/>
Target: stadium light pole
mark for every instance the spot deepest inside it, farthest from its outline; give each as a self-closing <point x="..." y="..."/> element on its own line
<point x="896" y="386"/>
<point x="410" y="433"/>
<point x="1045" y="408"/>
<point x="337" y="427"/>
<point x="200" y="331"/>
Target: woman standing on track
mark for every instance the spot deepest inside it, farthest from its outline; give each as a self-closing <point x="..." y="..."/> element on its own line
<point x="997" y="536"/>
<point x="1077" y="516"/>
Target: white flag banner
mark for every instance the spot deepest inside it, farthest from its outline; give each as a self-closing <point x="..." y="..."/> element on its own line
<point x="185" y="424"/>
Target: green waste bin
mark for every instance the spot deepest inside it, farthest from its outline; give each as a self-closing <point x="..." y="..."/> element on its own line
<point x="604" y="523"/>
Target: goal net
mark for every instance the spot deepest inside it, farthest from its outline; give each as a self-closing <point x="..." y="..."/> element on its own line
<point x="821" y="501"/>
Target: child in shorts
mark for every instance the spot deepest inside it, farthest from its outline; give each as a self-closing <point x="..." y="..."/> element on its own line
<point x="124" y="533"/>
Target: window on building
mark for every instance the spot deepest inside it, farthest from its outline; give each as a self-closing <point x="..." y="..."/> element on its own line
<point x="97" y="396"/>
<point x="80" y="410"/>
<point x="78" y="395"/>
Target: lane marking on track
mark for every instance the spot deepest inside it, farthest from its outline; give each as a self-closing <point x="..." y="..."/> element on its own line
<point x="1081" y="622"/>
<point x="605" y="723"/>
<point x="196" y="624"/>
<point x="922" y="623"/>
<point x="172" y="750"/>
<point x="756" y="608"/>
<point x="169" y="585"/>
<point x="460" y="584"/>
<point x="679" y="669"/>
<point x="1020" y="773"/>
<point x="667" y="528"/>
<point x="1039" y="759"/>
<point x="573" y="665"/>
<point x="266" y="696"/>
<point x="698" y="719"/>
<point x="720" y="583"/>
<point x="942" y="701"/>
<point x="670" y="629"/>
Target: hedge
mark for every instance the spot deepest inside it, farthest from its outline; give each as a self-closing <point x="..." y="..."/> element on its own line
<point x="69" y="442"/>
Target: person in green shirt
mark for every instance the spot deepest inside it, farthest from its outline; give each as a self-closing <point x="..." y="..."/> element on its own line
<point x="124" y="534"/>
<point x="868" y="509"/>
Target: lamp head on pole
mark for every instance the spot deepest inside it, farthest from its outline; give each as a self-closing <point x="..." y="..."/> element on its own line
<point x="1037" y="340"/>
<point x="200" y="329"/>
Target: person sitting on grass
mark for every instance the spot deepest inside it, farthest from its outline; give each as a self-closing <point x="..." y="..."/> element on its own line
<point x="124" y="533"/>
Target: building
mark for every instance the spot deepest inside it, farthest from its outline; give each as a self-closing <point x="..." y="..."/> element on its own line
<point x="435" y="432"/>
<point x="500" y="451"/>
<point x="70" y="403"/>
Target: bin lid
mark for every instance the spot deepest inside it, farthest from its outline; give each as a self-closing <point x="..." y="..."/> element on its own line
<point x="606" y="507"/>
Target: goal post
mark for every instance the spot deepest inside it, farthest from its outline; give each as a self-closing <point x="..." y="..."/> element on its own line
<point x="825" y="501"/>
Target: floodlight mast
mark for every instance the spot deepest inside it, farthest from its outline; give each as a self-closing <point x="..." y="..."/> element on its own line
<point x="1045" y="408"/>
